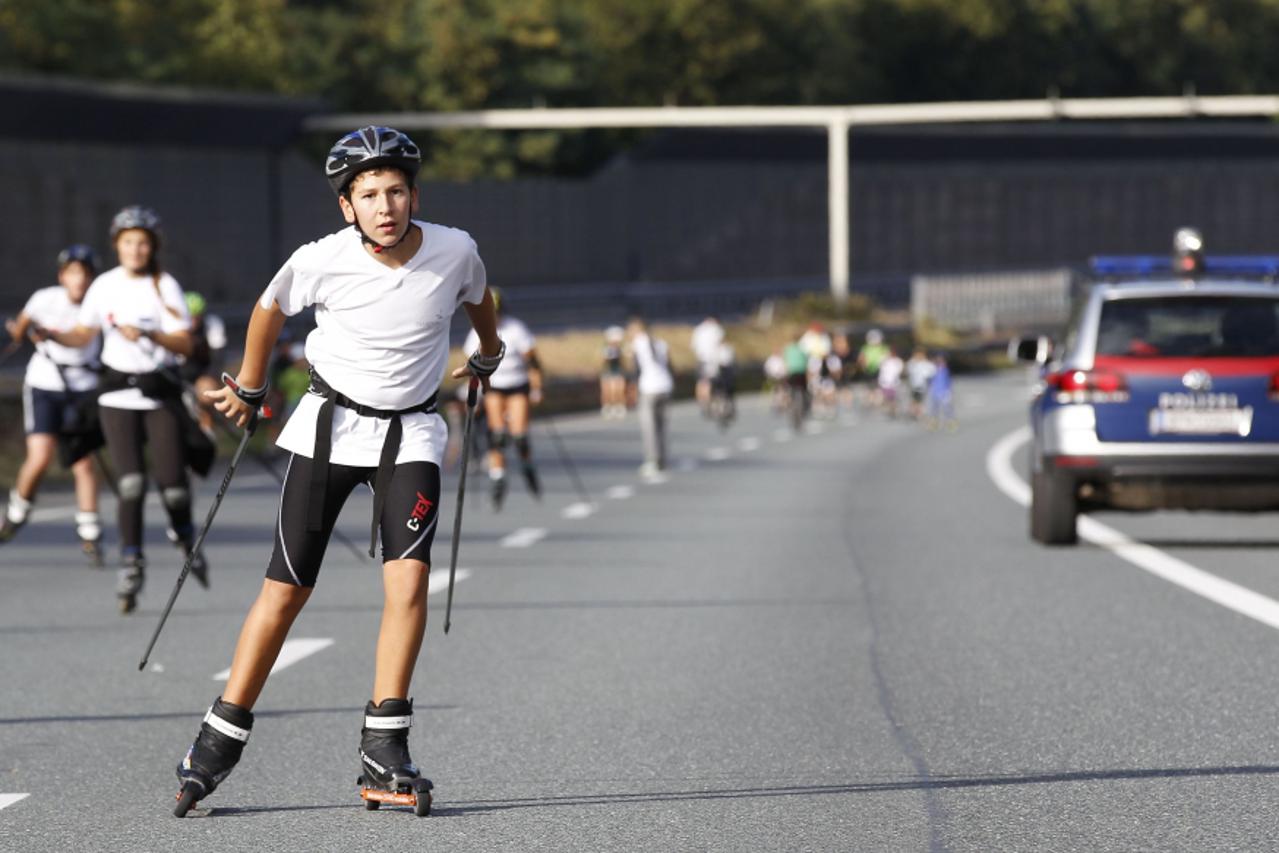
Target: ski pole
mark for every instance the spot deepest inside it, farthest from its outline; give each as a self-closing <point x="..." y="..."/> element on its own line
<point x="279" y="478"/>
<point x="566" y="460"/>
<point x="204" y="530"/>
<point x="471" y="394"/>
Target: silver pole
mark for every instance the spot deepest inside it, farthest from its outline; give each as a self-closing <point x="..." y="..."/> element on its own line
<point x="837" y="195"/>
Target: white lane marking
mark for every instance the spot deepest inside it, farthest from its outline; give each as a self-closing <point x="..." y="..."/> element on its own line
<point x="581" y="509"/>
<point x="1204" y="584"/>
<point x="524" y="537"/>
<point x="688" y="464"/>
<point x="439" y="581"/>
<point x="748" y="444"/>
<point x="7" y="800"/>
<point x="814" y="428"/>
<point x="290" y="653"/>
<point x="655" y="478"/>
<point x="620" y="493"/>
<point x="781" y="436"/>
<point x="718" y="454"/>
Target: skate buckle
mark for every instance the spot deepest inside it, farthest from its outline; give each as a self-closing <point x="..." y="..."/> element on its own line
<point x="393" y="797"/>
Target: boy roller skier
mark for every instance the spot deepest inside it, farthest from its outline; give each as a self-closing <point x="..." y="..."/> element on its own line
<point x="384" y="291"/>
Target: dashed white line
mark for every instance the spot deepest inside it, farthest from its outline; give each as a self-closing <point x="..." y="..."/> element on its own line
<point x="290" y="653"/>
<point x="781" y="436"/>
<point x="439" y="581"/>
<point x="718" y="454"/>
<point x="620" y="493"/>
<point x="814" y="428"/>
<point x="655" y="478"/>
<point x="749" y="444"/>
<point x="524" y="537"/>
<point x="1204" y="584"/>
<point x="581" y="509"/>
<point x="7" y="800"/>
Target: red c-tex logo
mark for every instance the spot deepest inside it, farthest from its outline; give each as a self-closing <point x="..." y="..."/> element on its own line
<point x="420" y="509"/>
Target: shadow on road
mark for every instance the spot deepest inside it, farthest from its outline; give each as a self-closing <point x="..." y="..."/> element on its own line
<point x="930" y="784"/>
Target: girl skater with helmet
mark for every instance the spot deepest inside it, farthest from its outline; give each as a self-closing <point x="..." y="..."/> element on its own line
<point x="59" y="386"/>
<point x="513" y="390"/>
<point x="140" y="311"/>
<point x="384" y="291"/>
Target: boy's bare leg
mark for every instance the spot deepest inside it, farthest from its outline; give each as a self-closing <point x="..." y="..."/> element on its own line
<point x="40" y="452"/>
<point x="403" y="625"/>
<point x="265" y="628"/>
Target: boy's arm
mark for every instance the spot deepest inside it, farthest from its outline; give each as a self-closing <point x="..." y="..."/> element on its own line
<point x="18" y="326"/>
<point x="535" y="376"/>
<point x="484" y="320"/>
<point x="77" y="337"/>
<point x="264" y="327"/>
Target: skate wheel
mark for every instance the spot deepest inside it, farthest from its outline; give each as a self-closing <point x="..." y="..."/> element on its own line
<point x="186" y="799"/>
<point x="128" y="603"/>
<point x="372" y="805"/>
<point x="422" y="807"/>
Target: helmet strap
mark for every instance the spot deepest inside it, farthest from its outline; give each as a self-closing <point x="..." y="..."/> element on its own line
<point x="377" y="247"/>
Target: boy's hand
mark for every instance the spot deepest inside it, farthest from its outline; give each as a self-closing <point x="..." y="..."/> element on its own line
<point x="231" y="406"/>
<point x="235" y="401"/>
<point x="464" y="372"/>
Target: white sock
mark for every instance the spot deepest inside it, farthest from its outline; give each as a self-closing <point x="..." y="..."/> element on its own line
<point x="18" y="507"/>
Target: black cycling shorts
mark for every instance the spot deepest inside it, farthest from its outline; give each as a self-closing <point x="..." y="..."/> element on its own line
<point x="407" y="525"/>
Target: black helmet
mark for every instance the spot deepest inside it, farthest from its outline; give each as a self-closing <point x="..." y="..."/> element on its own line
<point x="370" y="148"/>
<point x="79" y="253"/>
<point x="136" y="216"/>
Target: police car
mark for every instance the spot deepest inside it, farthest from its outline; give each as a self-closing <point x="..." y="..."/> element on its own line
<point x="1163" y="394"/>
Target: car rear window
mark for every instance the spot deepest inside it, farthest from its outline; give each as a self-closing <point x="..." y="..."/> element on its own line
<point x="1195" y="326"/>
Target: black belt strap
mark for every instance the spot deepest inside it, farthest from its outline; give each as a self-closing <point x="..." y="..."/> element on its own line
<point x="324" y="449"/>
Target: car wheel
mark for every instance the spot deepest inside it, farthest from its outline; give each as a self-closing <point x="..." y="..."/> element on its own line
<point x="1053" y="509"/>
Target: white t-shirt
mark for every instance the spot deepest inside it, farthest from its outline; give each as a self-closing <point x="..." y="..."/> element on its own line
<point x="118" y="298"/>
<point x="652" y="358"/>
<point x="919" y="372"/>
<point x="707" y="336"/>
<point x="513" y="371"/>
<point x="381" y="336"/>
<point x="890" y="372"/>
<point x="51" y="308"/>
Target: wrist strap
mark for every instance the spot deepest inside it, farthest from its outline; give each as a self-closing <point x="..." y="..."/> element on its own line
<point x="250" y="396"/>
<point x="484" y="365"/>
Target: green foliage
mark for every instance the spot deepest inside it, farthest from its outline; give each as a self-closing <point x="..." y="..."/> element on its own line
<point x="367" y="55"/>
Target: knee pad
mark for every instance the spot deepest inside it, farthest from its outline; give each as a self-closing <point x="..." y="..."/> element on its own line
<point x="498" y="439"/>
<point x="132" y="486"/>
<point x="522" y="445"/>
<point x="176" y="498"/>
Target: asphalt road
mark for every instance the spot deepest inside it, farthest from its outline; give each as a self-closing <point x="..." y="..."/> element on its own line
<point x="841" y="640"/>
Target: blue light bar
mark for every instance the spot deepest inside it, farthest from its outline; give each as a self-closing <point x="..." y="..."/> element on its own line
<point x="1144" y="266"/>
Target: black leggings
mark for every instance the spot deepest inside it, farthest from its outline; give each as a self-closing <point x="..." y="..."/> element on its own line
<point x="126" y="430"/>
<point x="407" y="523"/>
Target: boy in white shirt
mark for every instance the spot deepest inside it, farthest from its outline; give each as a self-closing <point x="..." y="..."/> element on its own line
<point x="384" y="293"/>
<point x="58" y="386"/>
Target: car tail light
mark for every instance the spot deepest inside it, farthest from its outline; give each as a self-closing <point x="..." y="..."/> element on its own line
<point x="1088" y="386"/>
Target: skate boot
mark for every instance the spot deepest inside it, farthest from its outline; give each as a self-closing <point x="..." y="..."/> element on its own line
<point x="498" y="478"/>
<point x="214" y="753"/>
<point x="90" y="533"/>
<point x="130" y="579"/>
<point x="531" y="478"/>
<point x="387" y="773"/>
<point x="199" y="566"/>
<point x="15" y="516"/>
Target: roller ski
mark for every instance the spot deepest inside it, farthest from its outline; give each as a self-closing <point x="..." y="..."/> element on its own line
<point x="90" y="533"/>
<point x="532" y="481"/>
<point x="387" y="773"/>
<point x="498" y="494"/>
<point x="129" y="581"/>
<point x="214" y="753"/>
<point x="15" y="516"/>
